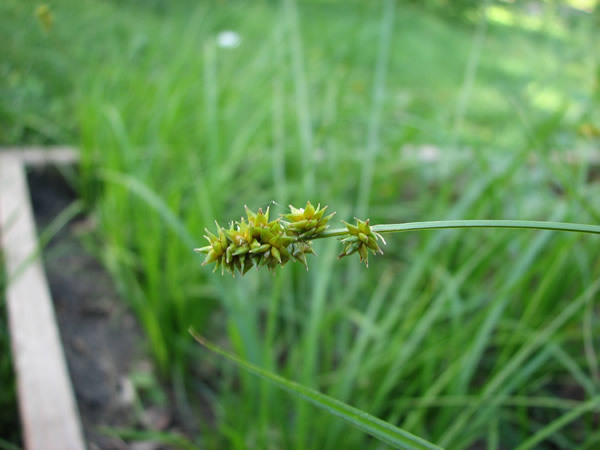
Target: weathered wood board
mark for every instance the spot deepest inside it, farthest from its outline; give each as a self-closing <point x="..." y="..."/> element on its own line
<point x="47" y="405"/>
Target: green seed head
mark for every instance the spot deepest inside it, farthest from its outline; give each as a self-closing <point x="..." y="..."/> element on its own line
<point x="254" y="241"/>
<point x="360" y="239"/>
<point x="306" y="222"/>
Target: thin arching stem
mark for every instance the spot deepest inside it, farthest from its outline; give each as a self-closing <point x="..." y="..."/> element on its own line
<point x="523" y="224"/>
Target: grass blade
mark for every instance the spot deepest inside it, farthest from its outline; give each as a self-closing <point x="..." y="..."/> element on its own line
<point x="565" y="419"/>
<point x="151" y="199"/>
<point x="375" y="427"/>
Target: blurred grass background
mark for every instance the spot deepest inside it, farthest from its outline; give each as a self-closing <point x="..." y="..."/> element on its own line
<point x="393" y="110"/>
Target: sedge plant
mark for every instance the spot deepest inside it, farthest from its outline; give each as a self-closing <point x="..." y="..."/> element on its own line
<point x="451" y="324"/>
<point x="256" y="241"/>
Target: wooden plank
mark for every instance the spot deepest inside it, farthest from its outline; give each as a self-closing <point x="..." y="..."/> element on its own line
<point x="41" y="156"/>
<point x="47" y="405"/>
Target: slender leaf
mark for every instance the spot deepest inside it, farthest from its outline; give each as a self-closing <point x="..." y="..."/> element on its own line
<point x="377" y="428"/>
<point x="565" y="419"/>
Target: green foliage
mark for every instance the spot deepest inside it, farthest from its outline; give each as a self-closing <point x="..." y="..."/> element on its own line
<point x="383" y="431"/>
<point x="468" y="123"/>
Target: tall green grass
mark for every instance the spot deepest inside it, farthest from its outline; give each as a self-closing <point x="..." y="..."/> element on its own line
<point x="465" y="338"/>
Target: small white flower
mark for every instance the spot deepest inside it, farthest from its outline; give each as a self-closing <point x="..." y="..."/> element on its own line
<point x="228" y="39"/>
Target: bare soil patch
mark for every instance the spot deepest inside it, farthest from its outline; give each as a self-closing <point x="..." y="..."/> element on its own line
<point x="102" y="340"/>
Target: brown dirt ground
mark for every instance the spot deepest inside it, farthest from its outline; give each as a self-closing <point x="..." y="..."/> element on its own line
<point x="101" y="338"/>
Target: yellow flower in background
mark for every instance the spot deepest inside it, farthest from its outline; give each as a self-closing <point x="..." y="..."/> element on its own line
<point x="45" y="16"/>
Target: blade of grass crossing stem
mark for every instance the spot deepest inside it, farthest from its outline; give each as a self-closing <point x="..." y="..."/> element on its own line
<point x="565" y="419"/>
<point x="375" y="427"/>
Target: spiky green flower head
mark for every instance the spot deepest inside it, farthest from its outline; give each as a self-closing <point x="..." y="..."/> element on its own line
<point x="361" y="239"/>
<point x="256" y="241"/>
<point x="306" y="222"/>
<point x="219" y="250"/>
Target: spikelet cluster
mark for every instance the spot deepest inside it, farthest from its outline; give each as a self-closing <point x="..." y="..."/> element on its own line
<point x="361" y="239"/>
<point x="306" y="222"/>
<point x="255" y="241"/>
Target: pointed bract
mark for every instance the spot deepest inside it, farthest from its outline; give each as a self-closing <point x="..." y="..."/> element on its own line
<point x="360" y="239"/>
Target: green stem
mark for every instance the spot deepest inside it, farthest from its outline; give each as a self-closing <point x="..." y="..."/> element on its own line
<point x="524" y="224"/>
